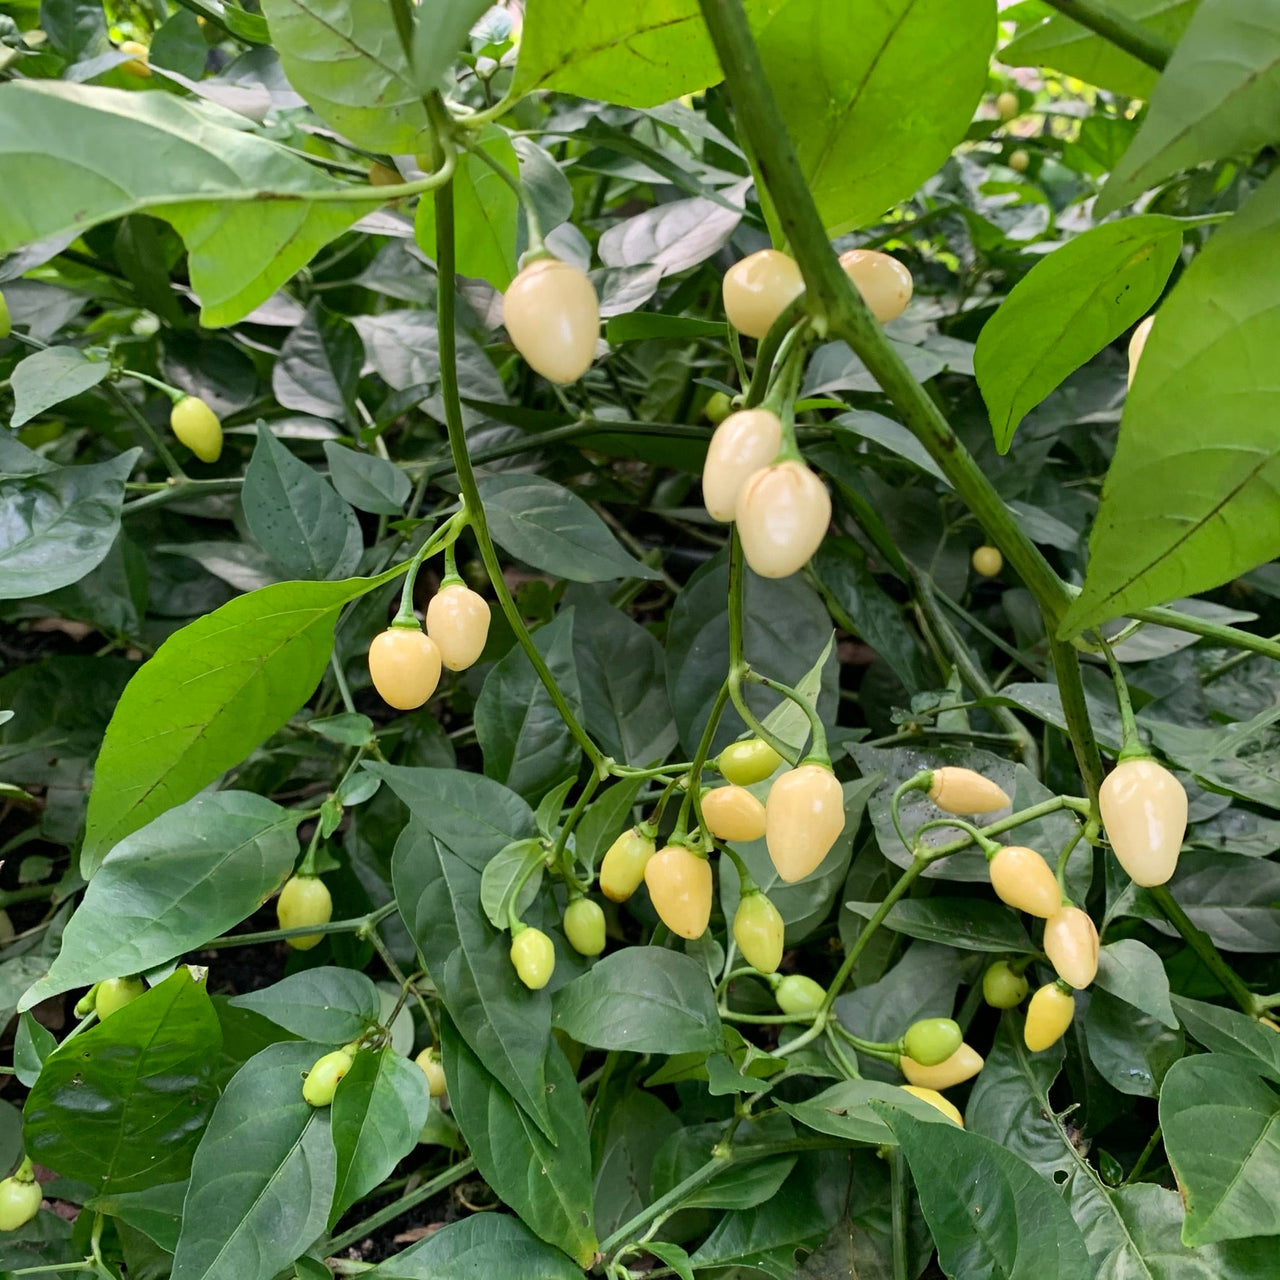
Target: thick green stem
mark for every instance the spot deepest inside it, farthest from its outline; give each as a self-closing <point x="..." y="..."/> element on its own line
<point x="446" y="311"/>
<point x="691" y="795"/>
<point x="1066" y="665"/>
<point x="354" y="925"/>
<point x="899" y="1198"/>
<point x="1121" y="30"/>
<point x="1202" y="945"/>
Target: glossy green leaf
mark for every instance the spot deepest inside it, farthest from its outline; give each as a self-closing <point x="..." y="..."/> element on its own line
<point x="327" y="1004"/>
<point x="295" y="516"/>
<point x="155" y="151"/>
<point x="122" y="1106"/>
<point x="1221" y="1126"/>
<point x="991" y="1214"/>
<point x="366" y="480"/>
<point x="1131" y="1050"/>
<point x="439" y="31"/>
<point x="768" y="1235"/>
<point x="501" y="875"/>
<point x="60" y="523"/>
<point x="1130" y="970"/>
<point x="859" y="603"/>
<point x="1227" y="1031"/>
<point x="1073" y="49"/>
<point x="263" y="1175"/>
<point x="376" y="1116"/>
<point x="347" y="60"/>
<point x="486" y="211"/>
<point x="739" y="1186"/>
<point x="318" y="369"/>
<point x="507" y="1025"/>
<point x="525" y="741"/>
<point x="638" y="55"/>
<point x="49" y="377"/>
<point x="243" y="671"/>
<point x="622" y="675"/>
<point x="184" y="878"/>
<point x="549" y="1186"/>
<point x="845" y="1111"/>
<point x="642" y="999"/>
<point x="484" y="1244"/>
<point x="550" y="528"/>
<point x="1188" y="498"/>
<point x="1068" y="307"/>
<point x="785" y="626"/>
<point x="1218" y="98"/>
<point x="876" y="101"/>
<point x="972" y="924"/>
<point x="32" y="1044"/>
<point x="155" y="1211"/>
<point x="472" y="815"/>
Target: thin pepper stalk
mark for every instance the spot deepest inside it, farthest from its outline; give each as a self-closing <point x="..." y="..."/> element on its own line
<point x="446" y="307"/>
<point x="1131" y="747"/>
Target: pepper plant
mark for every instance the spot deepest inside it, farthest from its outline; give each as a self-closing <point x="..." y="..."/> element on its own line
<point x="781" y="784"/>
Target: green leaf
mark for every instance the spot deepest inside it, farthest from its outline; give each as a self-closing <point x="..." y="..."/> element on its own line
<point x="345" y="57"/>
<point x="1221" y="1127"/>
<point x="549" y="1186"/>
<point x="1065" y="45"/>
<point x="604" y="821"/>
<point x="1130" y="970"/>
<point x="972" y="924"/>
<point x="992" y="1216"/>
<point x="507" y="1026"/>
<point x="122" y="1105"/>
<point x="845" y="1111"/>
<point x="622" y="673"/>
<point x="1218" y="98"/>
<point x="367" y="481"/>
<point x="263" y="1175"/>
<point x="472" y="815"/>
<point x="32" y="1044"/>
<point x="155" y="1211"/>
<point x="875" y="105"/>
<point x="295" y="516"/>
<point x="484" y="1244"/>
<point x="157" y="152"/>
<point x="184" y="878"/>
<point x="525" y="741"/>
<point x="1227" y="1031"/>
<point x="49" y="377"/>
<point x="500" y="875"/>
<point x="439" y="32"/>
<point x="318" y="368"/>
<point x="784" y="623"/>
<point x="1189" y="496"/>
<point x="243" y="670"/>
<point x="644" y="326"/>
<point x="738" y="1186"/>
<point x="327" y="1005"/>
<point x="487" y="211"/>
<point x="377" y="1114"/>
<point x="768" y="1235"/>
<point x="644" y="1000"/>
<point x="859" y="603"/>
<point x="1130" y="1049"/>
<point x="638" y="55"/>
<point x="550" y="528"/>
<point x="1066" y="309"/>
<point x="60" y="523"/>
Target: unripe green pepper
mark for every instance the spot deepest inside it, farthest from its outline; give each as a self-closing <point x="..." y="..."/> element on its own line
<point x="115" y="993"/>
<point x="797" y="993"/>
<point x="1001" y="987"/>
<point x="584" y="926"/>
<point x="931" y="1041"/>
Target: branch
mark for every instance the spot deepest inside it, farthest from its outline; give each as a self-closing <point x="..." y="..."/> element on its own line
<point x="1120" y="30"/>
